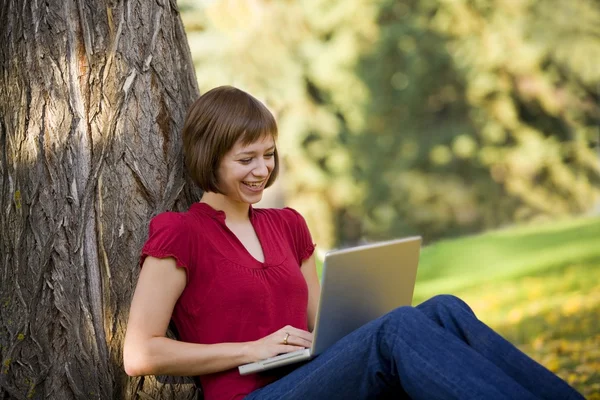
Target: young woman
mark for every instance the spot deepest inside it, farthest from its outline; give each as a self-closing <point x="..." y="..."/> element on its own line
<point x="240" y="284"/>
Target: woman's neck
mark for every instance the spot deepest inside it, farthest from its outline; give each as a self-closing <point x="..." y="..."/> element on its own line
<point x="235" y="211"/>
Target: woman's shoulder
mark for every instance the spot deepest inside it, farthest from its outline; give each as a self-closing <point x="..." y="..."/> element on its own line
<point x="288" y="219"/>
<point x="286" y="214"/>
<point x="176" y="220"/>
<point x="169" y="219"/>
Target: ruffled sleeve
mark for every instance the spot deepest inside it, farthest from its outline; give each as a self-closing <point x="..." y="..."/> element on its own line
<point x="303" y="243"/>
<point x="168" y="236"/>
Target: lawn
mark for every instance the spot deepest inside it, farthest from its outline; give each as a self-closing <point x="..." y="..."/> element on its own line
<point x="538" y="285"/>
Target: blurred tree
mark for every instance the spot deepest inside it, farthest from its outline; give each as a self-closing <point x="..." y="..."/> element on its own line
<point x="436" y="117"/>
<point x="479" y="117"/>
<point x="93" y="100"/>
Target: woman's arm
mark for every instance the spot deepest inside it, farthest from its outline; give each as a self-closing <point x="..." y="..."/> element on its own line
<point x="148" y="352"/>
<point x="309" y="270"/>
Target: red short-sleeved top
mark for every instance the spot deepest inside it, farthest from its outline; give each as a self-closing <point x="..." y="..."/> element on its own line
<point x="230" y="296"/>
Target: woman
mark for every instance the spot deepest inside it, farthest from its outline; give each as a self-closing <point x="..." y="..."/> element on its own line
<point x="240" y="284"/>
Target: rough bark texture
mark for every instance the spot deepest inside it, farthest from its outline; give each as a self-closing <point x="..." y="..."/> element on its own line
<point x="93" y="94"/>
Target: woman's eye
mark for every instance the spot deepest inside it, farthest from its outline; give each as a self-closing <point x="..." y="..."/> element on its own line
<point x="269" y="155"/>
<point x="245" y="160"/>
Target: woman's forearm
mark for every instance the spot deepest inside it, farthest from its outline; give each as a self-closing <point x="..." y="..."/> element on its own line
<point x="164" y="356"/>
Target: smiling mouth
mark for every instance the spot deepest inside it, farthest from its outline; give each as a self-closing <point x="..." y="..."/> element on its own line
<point x="254" y="185"/>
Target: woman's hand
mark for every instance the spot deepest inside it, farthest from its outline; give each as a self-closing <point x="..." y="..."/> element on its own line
<point x="285" y="340"/>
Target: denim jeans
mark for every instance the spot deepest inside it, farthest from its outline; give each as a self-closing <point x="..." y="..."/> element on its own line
<point x="437" y="350"/>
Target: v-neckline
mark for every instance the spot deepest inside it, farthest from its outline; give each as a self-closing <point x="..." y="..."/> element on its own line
<point x="260" y="243"/>
<point x="220" y="216"/>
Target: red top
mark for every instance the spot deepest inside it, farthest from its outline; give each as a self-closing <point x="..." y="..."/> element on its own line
<point x="230" y="296"/>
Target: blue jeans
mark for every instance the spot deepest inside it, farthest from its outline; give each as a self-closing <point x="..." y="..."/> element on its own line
<point x="437" y="350"/>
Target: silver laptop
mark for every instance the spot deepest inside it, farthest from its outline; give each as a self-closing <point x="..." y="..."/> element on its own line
<point x="358" y="285"/>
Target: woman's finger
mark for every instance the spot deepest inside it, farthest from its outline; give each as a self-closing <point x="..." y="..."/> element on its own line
<point x="298" y="341"/>
<point x="288" y="348"/>
<point x="294" y="340"/>
<point x="297" y="332"/>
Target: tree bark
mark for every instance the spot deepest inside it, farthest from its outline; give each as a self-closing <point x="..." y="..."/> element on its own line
<point x="93" y="97"/>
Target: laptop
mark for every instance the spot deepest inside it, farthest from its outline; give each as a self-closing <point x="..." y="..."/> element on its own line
<point x="358" y="285"/>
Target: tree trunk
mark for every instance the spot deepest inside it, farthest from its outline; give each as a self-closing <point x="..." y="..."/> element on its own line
<point x="93" y="94"/>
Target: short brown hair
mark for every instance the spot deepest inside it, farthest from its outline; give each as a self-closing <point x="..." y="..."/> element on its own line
<point x="214" y="124"/>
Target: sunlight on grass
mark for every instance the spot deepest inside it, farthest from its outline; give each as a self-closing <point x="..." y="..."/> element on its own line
<point x="553" y="317"/>
<point x="544" y="299"/>
<point x="457" y="264"/>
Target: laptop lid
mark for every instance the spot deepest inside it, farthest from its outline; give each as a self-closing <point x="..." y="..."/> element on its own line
<point x="362" y="283"/>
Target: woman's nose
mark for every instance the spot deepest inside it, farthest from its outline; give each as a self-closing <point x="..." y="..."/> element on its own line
<point x="261" y="169"/>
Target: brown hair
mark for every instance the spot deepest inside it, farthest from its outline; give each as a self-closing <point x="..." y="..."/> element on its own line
<point x="214" y="124"/>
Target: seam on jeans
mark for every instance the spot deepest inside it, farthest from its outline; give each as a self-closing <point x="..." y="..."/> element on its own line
<point x="395" y="335"/>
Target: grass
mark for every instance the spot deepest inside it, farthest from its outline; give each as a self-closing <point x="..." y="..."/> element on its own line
<point x="552" y="316"/>
<point x="539" y="286"/>
<point x="456" y="265"/>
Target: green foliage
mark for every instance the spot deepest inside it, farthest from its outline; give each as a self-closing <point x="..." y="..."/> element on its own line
<point x="433" y="117"/>
<point x="477" y="117"/>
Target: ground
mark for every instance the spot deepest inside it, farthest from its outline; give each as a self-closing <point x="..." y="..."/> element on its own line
<point x="539" y="286"/>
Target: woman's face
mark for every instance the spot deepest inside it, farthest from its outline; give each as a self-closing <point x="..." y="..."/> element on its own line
<point x="245" y="169"/>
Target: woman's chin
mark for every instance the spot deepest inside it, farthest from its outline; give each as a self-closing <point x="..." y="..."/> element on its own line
<point x="251" y="198"/>
<point x="256" y="199"/>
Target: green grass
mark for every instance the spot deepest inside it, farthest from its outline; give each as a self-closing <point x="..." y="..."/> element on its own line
<point x="538" y="285"/>
<point x="455" y="265"/>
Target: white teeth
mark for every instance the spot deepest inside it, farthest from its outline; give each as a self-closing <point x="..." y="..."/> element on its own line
<point x="253" y="184"/>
